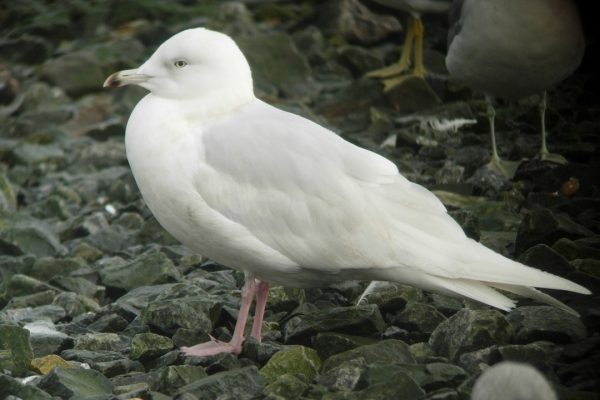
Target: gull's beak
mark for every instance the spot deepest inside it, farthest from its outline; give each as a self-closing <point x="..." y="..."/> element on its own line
<point x="127" y="77"/>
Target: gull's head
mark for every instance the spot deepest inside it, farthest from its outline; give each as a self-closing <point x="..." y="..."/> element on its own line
<point x="193" y="63"/>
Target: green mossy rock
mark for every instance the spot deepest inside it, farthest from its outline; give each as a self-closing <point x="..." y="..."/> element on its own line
<point x="15" y="349"/>
<point x="301" y="361"/>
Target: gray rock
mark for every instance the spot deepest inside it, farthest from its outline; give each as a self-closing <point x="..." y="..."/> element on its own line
<point x="412" y="95"/>
<point x="117" y="367"/>
<point x="301" y="361"/>
<point x="330" y="343"/>
<point x="572" y="250"/>
<point x="276" y="64"/>
<point x="15" y="349"/>
<point x="545" y="258"/>
<point x="360" y="320"/>
<point x="46" y="339"/>
<point x="101" y="342"/>
<point x="76" y="382"/>
<point x="391" y="296"/>
<point x="109" y="323"/>
<point x="23" y="285"/>
<point x="12" y="388"/>
<point x="476" y="361"/>
<point x="136" y="300"/>
<point x="243" y="384"/>
<point x="354" y="22"/>
<point x="287" y="386"/>
<point x="46" y="268"/>
<point x="187" y="312"/>
<point x="20" y="235"/>
<point x="419" y="317"/>
<point x="345" y="375"/>
<point x="259" y="352"/>
<point x="174" y="377"/>
<point x="385" y="351"/>
<point x="148" y="269"/>
<point x="48" y="312"/>
<point x="429" y="377"/>
<point x="80" y="286"/>
<point x="75" y="304"/>
<point x="146" y="346"/>
<point x="533" y="323"/>
<point x="31" y="300"/>
<point x="544" y="226"/>
<point x="359" y="60"/>
<point x="8" y="199"/>
<point x="469" y="330"/>
<point x="538" y="353"/>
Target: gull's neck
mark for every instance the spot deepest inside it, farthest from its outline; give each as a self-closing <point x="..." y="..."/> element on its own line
<point x="209" y="106"/>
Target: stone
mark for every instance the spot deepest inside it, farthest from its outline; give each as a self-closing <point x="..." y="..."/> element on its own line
<point x="100" y="342"/>
<point x="538" y="353"/>
<point x="31" y="300"/>
<point x="385" y="351"/>
<point x="174" y="377"/>
<point x="20" y="235"/>
<point x="330" y="343"/>
<point x="117" y="367"/>
<point x="359" y="60"/>
<point x="243" y="384"/>
<point x="287" y="386"/>
<point x="146" y="346"/>
<point x="345" y="375"/>
<point x="355" y="23"/>
<point x="302" y="361"/>
<point x="187" y="312"/>
<point x="276" y="64"/>
<point x="45" y="365"/>
<point x="75" y="304"/>
<point x="8" y="199"/>
<point x="413" y="94"/>
<point x="76" y="382"/>
<point x="45" y="339"/>
<point x="430" y="377"/>
<point x="255" y="351"/>
<point x="469" y="330"/>
<point x="391" y="296"/>
<point x="544" y="226"/>
<point x="11" y="388"/>
<point x="15" y="349"/>
<point x="109" y="323"/>
<point x="147" y="269"/>
<point x="80" y="286"/>
<point x="543" y="257"/>
<point x="533" y="323"/>
<point x="47" y="267"/>
<point x="359" y="320"/>
<point x="572" y="250"/>
<point x="48" y="312"/>
<point x="419" y="317"/>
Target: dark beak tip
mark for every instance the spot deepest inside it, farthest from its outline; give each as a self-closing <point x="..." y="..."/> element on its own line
<point x="112" y="82"/>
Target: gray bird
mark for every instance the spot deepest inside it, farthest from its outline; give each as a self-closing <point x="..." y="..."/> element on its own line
<point x="394" y="74"/>
<point x="513" y="49"/>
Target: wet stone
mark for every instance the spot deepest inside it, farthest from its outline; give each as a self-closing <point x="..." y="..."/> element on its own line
<point x="385" y="351"/>
<point x="420" y="319"/>
<point x="15" y="349"/>
<point x="287" y="386"/>
<point x="469" y="330"/>
<point x="75" y="304"/>
<point x="46" y="339"/>
<point x="302" y="361"/>
<point x="76" y="382"/>
<point x="355" y="22"/>
<point x="243" y="384"/>
<point x="345" y="375"/>
<point x="545" y="258"/>
<point x="11" y="388"/>
<point x="100" y="342"/>
<point x="359" y="320"/>
<point x="147" y="269"/>
<point x="146" y="346"/>
<point x="45" y="365"/>
<point x="259" y="352"/>
<point x="330" y="343"/>
<point x="187" y="312"/>
<point x="533" y="323"/>
<point x="174" y="377"/>
<point x="544" y="226"/>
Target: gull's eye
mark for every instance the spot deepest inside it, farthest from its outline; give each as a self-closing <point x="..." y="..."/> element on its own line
<point x="180" y="63"/>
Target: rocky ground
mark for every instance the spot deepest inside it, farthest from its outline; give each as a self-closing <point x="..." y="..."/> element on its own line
<point x="96" y="297"/>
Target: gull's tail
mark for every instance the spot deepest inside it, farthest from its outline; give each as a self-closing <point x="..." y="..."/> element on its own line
<point x="479" y="276"/>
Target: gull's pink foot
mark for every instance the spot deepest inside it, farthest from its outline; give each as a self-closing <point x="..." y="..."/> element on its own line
<point x="211" y="348"/>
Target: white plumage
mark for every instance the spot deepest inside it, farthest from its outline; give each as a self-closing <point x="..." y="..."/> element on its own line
<point x="284" y="199"/>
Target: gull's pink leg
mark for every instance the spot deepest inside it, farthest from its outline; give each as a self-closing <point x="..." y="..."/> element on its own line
<point x="262" y="295"/>
<point x="235" y="344"/>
